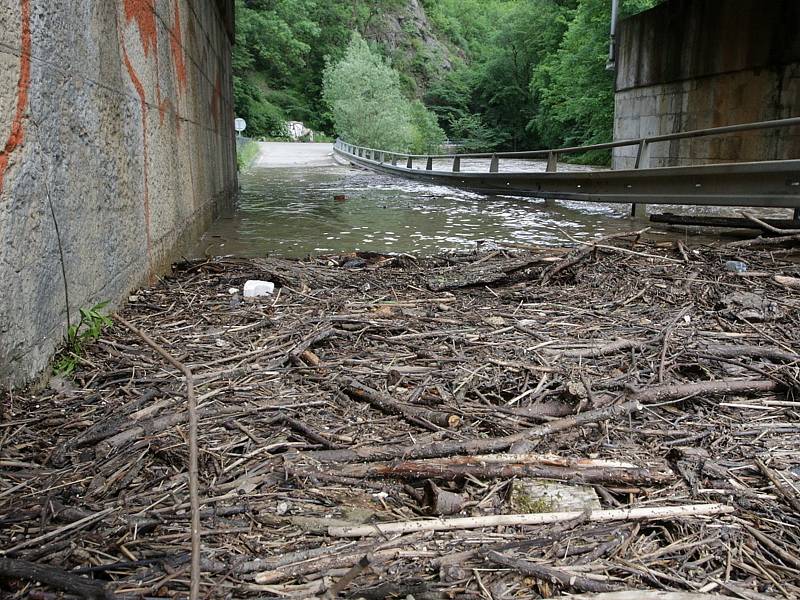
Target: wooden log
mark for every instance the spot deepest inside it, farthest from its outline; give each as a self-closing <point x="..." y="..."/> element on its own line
<point x="540" y="410"/>
<point x="469" y="446"/>
<point x="729" y="222"/>
<point x="480" y="274"/>
<point x="157" y="425"/>
<point x="577" y="256"/>
<point x="563" y="578"/>
<point x="769" y="227"/>
<point x="359" y="391"/>
<point x="661" y="393"/>
<point x="738" y="351"/>
<point x="505" y="466"/>
<point x="650" y="595"/>
<point x="54" y="577"/>
<point x="790" y="282"/>
<point x="760" y="241"/>
<point x="322" y="564"/>
<point x="597" y="350"/>
<point x="598" y="516"/>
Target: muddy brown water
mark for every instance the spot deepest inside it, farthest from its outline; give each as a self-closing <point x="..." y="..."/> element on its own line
<point x="296" y="210"/>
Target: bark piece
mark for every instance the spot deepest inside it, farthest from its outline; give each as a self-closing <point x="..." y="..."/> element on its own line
<point x="442" y="502"/>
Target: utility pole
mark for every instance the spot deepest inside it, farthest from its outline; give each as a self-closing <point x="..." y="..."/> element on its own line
<point x="612" y="42"/>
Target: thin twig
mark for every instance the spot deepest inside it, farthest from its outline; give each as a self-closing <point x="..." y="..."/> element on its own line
<point x="194" y="484"/>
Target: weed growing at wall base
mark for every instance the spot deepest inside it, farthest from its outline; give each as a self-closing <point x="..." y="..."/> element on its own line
<point x="87" y="330"/>
<point x="246" y="154"/>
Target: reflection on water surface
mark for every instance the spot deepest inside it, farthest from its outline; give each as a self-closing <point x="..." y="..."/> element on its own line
<point x="292" y="212"/>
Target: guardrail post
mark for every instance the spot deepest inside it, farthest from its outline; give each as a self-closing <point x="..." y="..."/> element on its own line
<point x="639" y="210"/>
<point x="409" y="163"/>
<point x="394" y="160"/>
<point x="552" y="167"/>
<point x="429" y="164"/>
<point x="494" y="166"/>
<point x="457" y="164"/>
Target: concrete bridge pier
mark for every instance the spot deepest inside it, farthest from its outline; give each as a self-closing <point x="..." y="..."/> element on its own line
<point x="695" y="64"/>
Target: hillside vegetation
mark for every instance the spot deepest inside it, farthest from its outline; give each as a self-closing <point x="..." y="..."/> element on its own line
<point x="402" y="74"/>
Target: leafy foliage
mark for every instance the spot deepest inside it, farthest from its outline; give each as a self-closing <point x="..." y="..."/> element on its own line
<point x="87" y="330"/>
<point x="505" y="74"/>
<point x="368" y="106"/>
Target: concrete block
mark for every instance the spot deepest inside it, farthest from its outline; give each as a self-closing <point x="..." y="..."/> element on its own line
<point x="649" y="126"/>
<point x="648" y="105"/>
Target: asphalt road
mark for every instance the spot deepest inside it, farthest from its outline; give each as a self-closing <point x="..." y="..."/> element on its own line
<point x="294" y="154"/>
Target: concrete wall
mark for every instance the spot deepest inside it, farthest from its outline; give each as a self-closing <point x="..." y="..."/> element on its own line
<point x="116" y="124"/>
<point x="693" y="64"/>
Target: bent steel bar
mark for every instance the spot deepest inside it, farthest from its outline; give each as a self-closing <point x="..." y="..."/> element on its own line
<point x="773" y="184"/>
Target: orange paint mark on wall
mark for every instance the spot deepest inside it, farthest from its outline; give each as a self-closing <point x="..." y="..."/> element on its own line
<point x="137" y="84"/>
<point x="144" y="14"/>
<point x="216" y="101"/>
<point x="164" y="106"/>
<point x="17" y="133"/>
<point x="176" y="43"/>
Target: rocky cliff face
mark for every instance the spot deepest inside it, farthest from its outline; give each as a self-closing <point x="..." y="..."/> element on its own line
<point x="413" y="45"/>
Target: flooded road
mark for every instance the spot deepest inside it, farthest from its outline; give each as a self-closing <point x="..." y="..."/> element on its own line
<point x="288" y="207"/>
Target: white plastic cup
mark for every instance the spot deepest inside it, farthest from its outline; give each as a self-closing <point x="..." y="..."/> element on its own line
<point x="254" y="288"/>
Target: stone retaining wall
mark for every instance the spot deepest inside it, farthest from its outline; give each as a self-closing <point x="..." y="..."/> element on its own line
<point x="115" y="126"/>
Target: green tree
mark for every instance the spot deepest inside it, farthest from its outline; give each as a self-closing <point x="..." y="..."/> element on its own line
<point x="273" y="40"/>
<point x="473" y="134"/>
<point x="428" y="136"/>
<point x="573" y="89"/>
<point x="494" y="92"/>
<point x="367" y="104"/>
<point x="521" y="73"/>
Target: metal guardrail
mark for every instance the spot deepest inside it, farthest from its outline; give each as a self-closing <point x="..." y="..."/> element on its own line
<point x="760" y="184"/>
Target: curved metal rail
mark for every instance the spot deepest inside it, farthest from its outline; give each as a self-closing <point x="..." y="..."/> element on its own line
<point x="774" y="184"/>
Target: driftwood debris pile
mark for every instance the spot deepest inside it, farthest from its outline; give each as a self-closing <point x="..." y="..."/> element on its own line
<point x="512" y="424"/>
